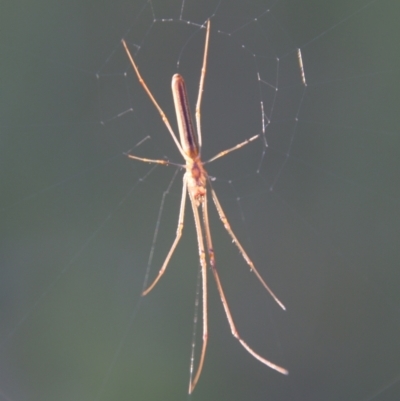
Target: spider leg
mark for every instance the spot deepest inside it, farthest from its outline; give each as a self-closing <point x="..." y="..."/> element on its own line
<point x="147" y="90"/>
<point x="201" y="85"/>
<point x="236" y="334"/>
<point x="238" y="146"/>
<point x="246" y="257"/>
<point x="175" y="243"/>
<point x="203" y="264"/>
<point x="228" y="314"/>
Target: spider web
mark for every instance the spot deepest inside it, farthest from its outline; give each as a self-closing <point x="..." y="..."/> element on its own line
<point x="314" y="201"/>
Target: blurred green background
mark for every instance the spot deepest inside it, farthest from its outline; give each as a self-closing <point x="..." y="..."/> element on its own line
<point x="318" y="210"/>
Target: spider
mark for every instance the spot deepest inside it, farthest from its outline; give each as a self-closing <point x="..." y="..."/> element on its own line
<point x="195" y="183"/>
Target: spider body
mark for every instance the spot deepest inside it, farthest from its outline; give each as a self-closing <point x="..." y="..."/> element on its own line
<point x="195" y="181"/>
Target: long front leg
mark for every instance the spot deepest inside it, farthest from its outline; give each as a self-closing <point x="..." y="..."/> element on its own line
<point x="228" y="314"/>
<point x="202" y="255"/>
<point x="236" y="334"/>
<point x="175" y="243"/>
<point x="246" y="257"/>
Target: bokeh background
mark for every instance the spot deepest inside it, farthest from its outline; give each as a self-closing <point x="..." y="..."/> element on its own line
<point x="318" y="210"/>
